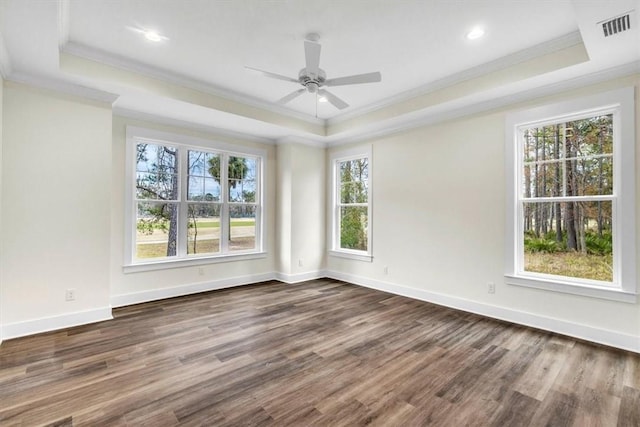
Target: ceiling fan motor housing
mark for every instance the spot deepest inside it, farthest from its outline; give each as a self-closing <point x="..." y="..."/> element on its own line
<point x="311" y="81"/>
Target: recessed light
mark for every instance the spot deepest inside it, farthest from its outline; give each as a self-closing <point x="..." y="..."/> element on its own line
<point x="475" y="33"/>
<point x="148" y="34"/>
<point x="153" y="36"/>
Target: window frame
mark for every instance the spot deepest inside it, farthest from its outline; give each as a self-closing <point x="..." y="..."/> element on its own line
<point x="335" y="204"/>
<point x="135" y="135"/>
<point x="621" y="104"/>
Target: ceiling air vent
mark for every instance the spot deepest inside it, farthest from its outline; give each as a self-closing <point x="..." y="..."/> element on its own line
<point x="616" y="25"/>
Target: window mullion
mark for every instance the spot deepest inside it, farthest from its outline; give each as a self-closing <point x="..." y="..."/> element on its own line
<point x="183" y="207"/>
<point x="225" y="220"/>
<point x="563" y="141"/>
<point x="258" y="206"/>
<point x="594" y="198"/>
<point x="339" y="206"/>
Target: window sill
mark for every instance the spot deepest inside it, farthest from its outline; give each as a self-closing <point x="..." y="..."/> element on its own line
<point x="352" y="255"/>
<point x="602" y="292"/>
<point x="189" y="262"/>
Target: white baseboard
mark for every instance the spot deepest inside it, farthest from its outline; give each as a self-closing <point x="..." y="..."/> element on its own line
<point x="300" y="277"/>
<point x="192" y="288"/>
<point x="46" y="324"/>
<point x="589" y="333"/>
<point x="576" y="330"/>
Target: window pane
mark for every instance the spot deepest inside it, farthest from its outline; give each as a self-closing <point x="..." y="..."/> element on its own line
<point x="156" y="158"/>
<point x="211" y="190"/>
<point x="543" y="180"/>
<point x="196" y="163"/>
<point x="354" y="170"/>
<point x="204" y="164"/>
<point x="251" y="168"/>
<point x="203" y="189"/>
<point x="212" y="166"/>
<point x="242" y="179"/>
<point x="156" y="186"/>
<point x="571" y="239"/>
<point x="242" y="230"/>
<point x="543" y="143"/>
<point x="589" y="176"/>
<point x="195" y="188"/>
<point x="242" y="190"/>
<point x="353" y="227"/>
<point x="241" y="167"/>
<point x="204" y="172"/>
<point x="235" y="191"/>
<point x="203" y="228"/>
<point x="590" y="136"/>
<point x="354" y="192"/>
<point x="156" y="229"/>
<point x="574" y="157"/>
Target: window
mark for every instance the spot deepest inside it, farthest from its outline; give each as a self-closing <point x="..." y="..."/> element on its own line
<point x="571" y="197"/>
<point x="351" y="204"/>
<point x="190" y="200"/>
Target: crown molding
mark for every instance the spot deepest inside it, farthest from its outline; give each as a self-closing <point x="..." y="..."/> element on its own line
<point x="533" y="52"/>
<point x="408" y="122"/>
<point x="63" y="86"/>
<point x="291" y="139"/>
<point x="106" y="58"/>
<point x="214" y="131"/>
<point x="429" y="117"/>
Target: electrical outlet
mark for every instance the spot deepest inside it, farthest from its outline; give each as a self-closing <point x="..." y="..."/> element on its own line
<point x="386" y="270"/>
<point x="200" y="271"/>
<point x="70" y="295"/>
<point x="299" y="263"/>
<point x="491" y="288"/>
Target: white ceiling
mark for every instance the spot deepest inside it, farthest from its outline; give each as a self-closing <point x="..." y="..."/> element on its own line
<point x="417" y="45"/>
<point x="409" y="42"/>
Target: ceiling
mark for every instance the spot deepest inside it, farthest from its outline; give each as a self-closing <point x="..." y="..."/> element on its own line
<point x="197" y="74"/>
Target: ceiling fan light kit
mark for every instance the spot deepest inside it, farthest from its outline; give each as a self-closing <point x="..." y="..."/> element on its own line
<point x="313" y="78"/>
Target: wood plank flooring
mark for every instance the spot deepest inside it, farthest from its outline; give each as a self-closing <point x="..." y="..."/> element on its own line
<point x="321" y="353"/>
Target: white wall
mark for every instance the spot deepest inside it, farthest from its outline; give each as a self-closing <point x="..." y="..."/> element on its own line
<point x="62" y="181"/>
<point x="56" y="176"/>
<point x="1" y="109"/>
<point x="439" y="223"/>
<point x="283" y="215"/>
<point x="308" y="210"/>
<point x="301" y="211"/>
<point x="128" y="288"/>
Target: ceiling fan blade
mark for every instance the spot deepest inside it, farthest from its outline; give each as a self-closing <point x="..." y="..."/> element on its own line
<point x="293" y="95"/>
<point x="354" y="80"/>
<point x="273" y="75"/>
<point x="337" y="102"/>
<point x="312" y="57"/>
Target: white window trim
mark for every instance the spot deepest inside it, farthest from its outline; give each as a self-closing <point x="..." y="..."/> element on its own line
<point x="135" y="134"/>
<point x="621" y="102"/>
<point x="334" y="232"/>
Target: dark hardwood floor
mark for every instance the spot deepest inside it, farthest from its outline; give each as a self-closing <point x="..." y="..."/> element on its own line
<point x="320" y="353"/>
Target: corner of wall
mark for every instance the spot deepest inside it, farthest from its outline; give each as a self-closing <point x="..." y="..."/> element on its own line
<point x="39" y="125"/>
<point x="1" y="123"/>
<point x="301" y="215"/>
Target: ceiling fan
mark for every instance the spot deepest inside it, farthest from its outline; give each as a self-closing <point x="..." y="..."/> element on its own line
<point x="313" y="78"/>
